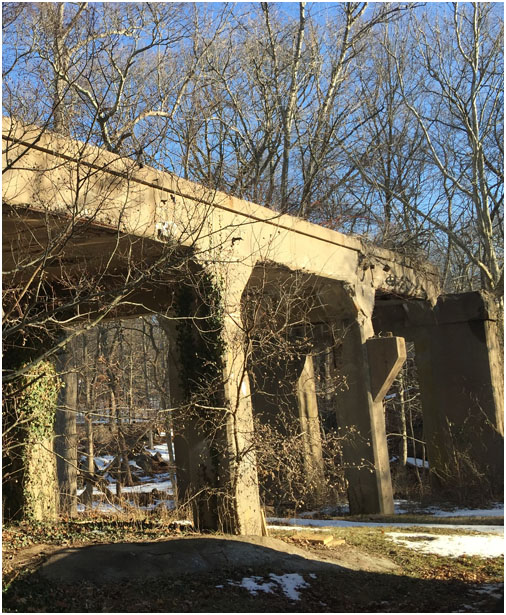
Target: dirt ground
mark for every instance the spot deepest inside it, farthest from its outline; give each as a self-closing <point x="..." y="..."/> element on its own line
<point x="192" y="555"/>
<point x="209" y="573"/>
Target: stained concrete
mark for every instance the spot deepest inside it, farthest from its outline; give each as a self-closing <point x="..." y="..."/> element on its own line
<point x="192" y="555"/>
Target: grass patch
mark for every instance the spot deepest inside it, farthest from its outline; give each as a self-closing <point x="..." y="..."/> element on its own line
<point x="471" y="569"/>
<point x="413" y="518"/>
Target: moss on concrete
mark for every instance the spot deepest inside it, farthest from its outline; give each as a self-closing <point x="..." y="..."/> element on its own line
<point x="32" y="489"/>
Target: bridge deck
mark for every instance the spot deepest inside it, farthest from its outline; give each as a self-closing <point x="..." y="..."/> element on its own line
<point x="49" y="180"/>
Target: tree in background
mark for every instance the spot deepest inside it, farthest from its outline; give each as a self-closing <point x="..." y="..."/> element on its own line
<point x="455" y="94"/>
<point x="380" y="119"/>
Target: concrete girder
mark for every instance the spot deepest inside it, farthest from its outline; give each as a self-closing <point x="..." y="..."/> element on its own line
<point x="59" y="179"/>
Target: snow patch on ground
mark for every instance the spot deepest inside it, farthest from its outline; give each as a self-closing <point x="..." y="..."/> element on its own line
<point x="401" y="506"/>
<point x="103" y="507"/>
<point x="146" y="487"/>
<point x="407" y="506"/>
<point x="452" y="546"/>
<point x="103" y="461"/>
<point x="255" y="585"/>
<point x="289" y="583"/>
<point x="413" y="461"/>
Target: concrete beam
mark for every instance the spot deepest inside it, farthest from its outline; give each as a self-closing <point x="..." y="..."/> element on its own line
<point x="116" y="194"/>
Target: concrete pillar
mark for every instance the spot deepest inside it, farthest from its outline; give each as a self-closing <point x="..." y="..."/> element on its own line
<point x="30" y="482"/>
<point x="244" y="514"/>
<point x="175" y="398"/>
<point x="459" y="367"/>
<point x="193" y="464"/>
<point x="369" y="367"/>
<point x="310" y="424"/>
<point x="284" y="396"/>
<point x="216" y="465"/>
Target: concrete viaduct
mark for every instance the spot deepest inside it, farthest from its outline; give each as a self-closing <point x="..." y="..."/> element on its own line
<point x="121" y="219"/>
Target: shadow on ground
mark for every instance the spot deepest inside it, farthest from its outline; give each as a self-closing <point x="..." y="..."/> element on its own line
<point x="104" y="563"/>
<point x="198" y="574"/>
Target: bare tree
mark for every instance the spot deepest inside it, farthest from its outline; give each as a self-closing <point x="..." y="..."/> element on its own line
<point x="388" y="150"/>
<point x="457" y="101"/>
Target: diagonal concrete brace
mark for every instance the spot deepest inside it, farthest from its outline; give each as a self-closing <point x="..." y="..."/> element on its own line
<point x="386" y="357"/>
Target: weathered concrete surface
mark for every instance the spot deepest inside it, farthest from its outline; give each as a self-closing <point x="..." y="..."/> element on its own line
<point x="106" y="563"/>
<point x="131" y="215"/>
<point x="386" y="357"/>
<point x="65" y="441"/>
<point x="310" y="424"/>
<point x="361" y="415"/>
<point x="116" y="194"/>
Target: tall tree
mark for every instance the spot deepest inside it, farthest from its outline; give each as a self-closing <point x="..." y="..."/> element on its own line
<point x="457" y="101"/>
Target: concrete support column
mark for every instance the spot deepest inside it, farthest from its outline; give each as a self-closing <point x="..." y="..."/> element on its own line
<point x="244" y="513"/>
<point x="174" y="397"/>
<point x="29" y="404"/>
<point x="310" y="425"/>
<point x="369" y="367"/>
<point x="284" y="397"/>
<point x="216" y="464"/>
<point x="194" y="466"/>
<point x="460" y="374"/>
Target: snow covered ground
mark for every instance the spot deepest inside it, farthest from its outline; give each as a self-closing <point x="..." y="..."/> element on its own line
<point x="401" y="506"/>
<point x="102" y="507"/>
<point x="302" y="524"/>
<point x="162" y="449"/>
<point x="160" y="483"/>
<point x="454" y="546"/>
<point x="407" y="506"/>
<point x="497" y="511"/>
<point x="413" y="461"/>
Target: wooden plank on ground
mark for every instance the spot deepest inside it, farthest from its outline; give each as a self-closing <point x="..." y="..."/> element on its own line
<point x="319" y="539"/>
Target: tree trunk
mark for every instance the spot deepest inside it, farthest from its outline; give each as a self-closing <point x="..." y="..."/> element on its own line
<point x="65" y="443"/>
<point x="404" y="428"/>
<point x="172" y="459"/>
